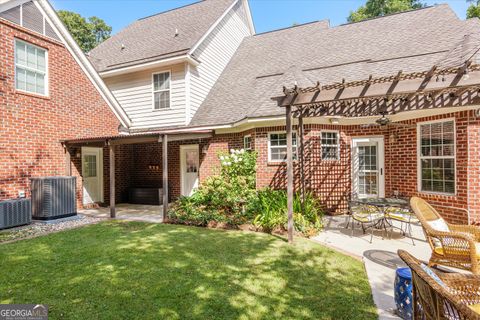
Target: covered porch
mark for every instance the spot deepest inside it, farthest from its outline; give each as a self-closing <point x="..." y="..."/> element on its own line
<point x="135" y="175"/>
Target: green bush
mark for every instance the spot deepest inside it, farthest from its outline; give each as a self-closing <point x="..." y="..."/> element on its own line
<point x="270" y="211"/>
<point x="221" y="198"/>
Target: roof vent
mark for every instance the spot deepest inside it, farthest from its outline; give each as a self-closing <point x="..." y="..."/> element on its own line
<point x="122" y="47"/>
<point x="176" y="32"/>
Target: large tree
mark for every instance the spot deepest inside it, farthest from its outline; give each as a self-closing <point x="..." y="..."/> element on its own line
<point x="473" y="10"/>
<point x="378" y="8"/>
<point x="88" y="33"/>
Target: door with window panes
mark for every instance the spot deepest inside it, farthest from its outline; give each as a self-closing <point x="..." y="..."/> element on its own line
<point x="367" y="167"/>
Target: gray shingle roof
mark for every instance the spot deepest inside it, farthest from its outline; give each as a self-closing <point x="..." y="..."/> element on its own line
<point x="409" y="41"/>
<point x="153" y="37"/>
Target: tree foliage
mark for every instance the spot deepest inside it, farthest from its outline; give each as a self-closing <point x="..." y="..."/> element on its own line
<point x="378" y="8"/>
<point x="88" y="33"/>
<point x="473" y="10"/>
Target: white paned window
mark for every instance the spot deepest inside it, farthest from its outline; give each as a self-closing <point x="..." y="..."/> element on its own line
<point x="437" y="157"/>
<point x="277" y="146"/>
<point x="330" y="145"/>
<point x="247" y="142"/>
<point x="30" y="68"/>
<point x="161" y="90"/>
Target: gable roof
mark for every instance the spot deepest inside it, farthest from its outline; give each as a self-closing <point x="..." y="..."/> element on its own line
<point x="410" y="41"/>
<point x="66" y="38"/>
<point x="164" y="35"/>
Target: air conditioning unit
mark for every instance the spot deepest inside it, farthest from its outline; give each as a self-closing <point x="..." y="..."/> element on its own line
<point x="53" y="197"/>
<point x="14" y="213"/>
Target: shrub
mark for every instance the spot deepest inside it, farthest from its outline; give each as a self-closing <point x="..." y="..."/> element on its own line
<point x="221" y="198"/>
<point x="270" y="210"/>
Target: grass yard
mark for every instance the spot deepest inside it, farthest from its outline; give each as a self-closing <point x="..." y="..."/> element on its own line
<point x="133" y="270"/>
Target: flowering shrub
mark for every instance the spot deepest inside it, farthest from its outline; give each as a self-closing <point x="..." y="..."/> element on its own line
<point x="231" y="198"/>
<point x="221" y="198"/>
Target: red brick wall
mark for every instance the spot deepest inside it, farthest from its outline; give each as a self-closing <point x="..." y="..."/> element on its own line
<point x="32" y="126"/>
<point x="331" y="180"/>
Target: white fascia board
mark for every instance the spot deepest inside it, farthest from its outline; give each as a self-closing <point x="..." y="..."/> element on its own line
<point x="212" y="27"/>
<point x="9" y="4"/>
<point x="249" y="17"/>
<point x="150" y="65"/>
<point x="45" y="7"/>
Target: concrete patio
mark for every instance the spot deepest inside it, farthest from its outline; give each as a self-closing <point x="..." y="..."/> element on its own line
<point x="126" y="211"/>
<point x="380" y="256"/>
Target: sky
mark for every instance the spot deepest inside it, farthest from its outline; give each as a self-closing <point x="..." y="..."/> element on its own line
<point x="267" y="14"/>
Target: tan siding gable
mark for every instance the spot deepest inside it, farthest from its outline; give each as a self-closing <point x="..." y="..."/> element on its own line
<point x="134" y="92"/>
<point x="214" y="54"/>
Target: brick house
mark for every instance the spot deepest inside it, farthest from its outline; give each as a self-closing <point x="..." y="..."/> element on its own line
<point x="197" y="80"/>
<point x="48" y="92"/>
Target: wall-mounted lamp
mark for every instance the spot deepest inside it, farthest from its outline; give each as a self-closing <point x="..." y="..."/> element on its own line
<point x="334" y="120"/>
<point x="205" y="149"/>
<point x="78" y="155"/>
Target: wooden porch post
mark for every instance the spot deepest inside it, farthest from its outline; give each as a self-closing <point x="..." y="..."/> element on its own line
<point x="165" y="176"/>
<point x="111" y="149"/>
<point x="68" y="163"/>
<point x="289" y="173"/>
<point x="301" y="158"/>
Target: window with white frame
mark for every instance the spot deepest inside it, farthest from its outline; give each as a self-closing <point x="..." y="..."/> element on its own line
<point x="437" y="157"/>
<point x="30" y="68"/>
<point x="330" y="143"/>
<point x="277" y="146"/>
<point x="247" y="142"/>
<point x="161" y="90"/>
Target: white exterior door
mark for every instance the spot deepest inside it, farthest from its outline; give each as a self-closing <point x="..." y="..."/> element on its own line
<point x="189" y="166"/>
<point x="92" y="173"/>
<point x="368" y="167"/>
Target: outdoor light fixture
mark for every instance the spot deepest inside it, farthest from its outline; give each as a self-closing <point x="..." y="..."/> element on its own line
<point x="334" y="120"/>
<point x="205" y="149"/>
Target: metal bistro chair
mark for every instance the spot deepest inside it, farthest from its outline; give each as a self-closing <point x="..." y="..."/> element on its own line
<point x="403" y="215"/>
<point x="368" y="216"/>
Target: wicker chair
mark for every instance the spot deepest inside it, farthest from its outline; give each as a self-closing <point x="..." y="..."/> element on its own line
<point x="452" y="245"/>
<point x="451" y="296"/>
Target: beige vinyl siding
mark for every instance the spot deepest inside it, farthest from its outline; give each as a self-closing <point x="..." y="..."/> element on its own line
<point x="134" y="92"/>
<point x="215" y="52"/>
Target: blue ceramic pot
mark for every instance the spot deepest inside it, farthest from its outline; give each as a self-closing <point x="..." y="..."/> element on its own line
<point x="403" y="293"/>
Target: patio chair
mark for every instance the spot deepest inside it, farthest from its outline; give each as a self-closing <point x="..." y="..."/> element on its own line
<point x="452" y="245"/>
<point x="368" y="216"/>
<point x="404" y="216"/>
<point x="441" y="295"/>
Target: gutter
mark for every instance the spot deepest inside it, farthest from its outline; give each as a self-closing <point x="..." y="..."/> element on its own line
<point x="144" y="66"/>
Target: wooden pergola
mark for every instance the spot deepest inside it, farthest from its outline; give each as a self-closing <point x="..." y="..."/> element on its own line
<point x="112" y="142"/>
<point x="435" y="88"/>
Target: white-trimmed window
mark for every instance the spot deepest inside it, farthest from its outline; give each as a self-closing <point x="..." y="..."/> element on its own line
<point x="161" y="90"/>
<point x="30" y="68"/>
<point x="247" y="142"/>
<point x="277" y="146"/>
<point x="437" y="156"/>
<point x="330" y="144"/>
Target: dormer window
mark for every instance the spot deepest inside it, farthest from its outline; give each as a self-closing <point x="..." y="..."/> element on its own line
<point x="30" y="68"/>
<point x="161" y="90"/>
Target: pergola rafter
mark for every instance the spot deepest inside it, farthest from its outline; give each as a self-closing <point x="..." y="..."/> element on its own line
<point x="432" y="89"/>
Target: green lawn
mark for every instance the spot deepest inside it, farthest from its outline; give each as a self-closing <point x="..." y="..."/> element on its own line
<point x="120" y="270"/>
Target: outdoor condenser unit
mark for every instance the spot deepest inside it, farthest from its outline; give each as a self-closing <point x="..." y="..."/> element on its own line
<point x="15" y="213"/>
<point x="53" y="197"/>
